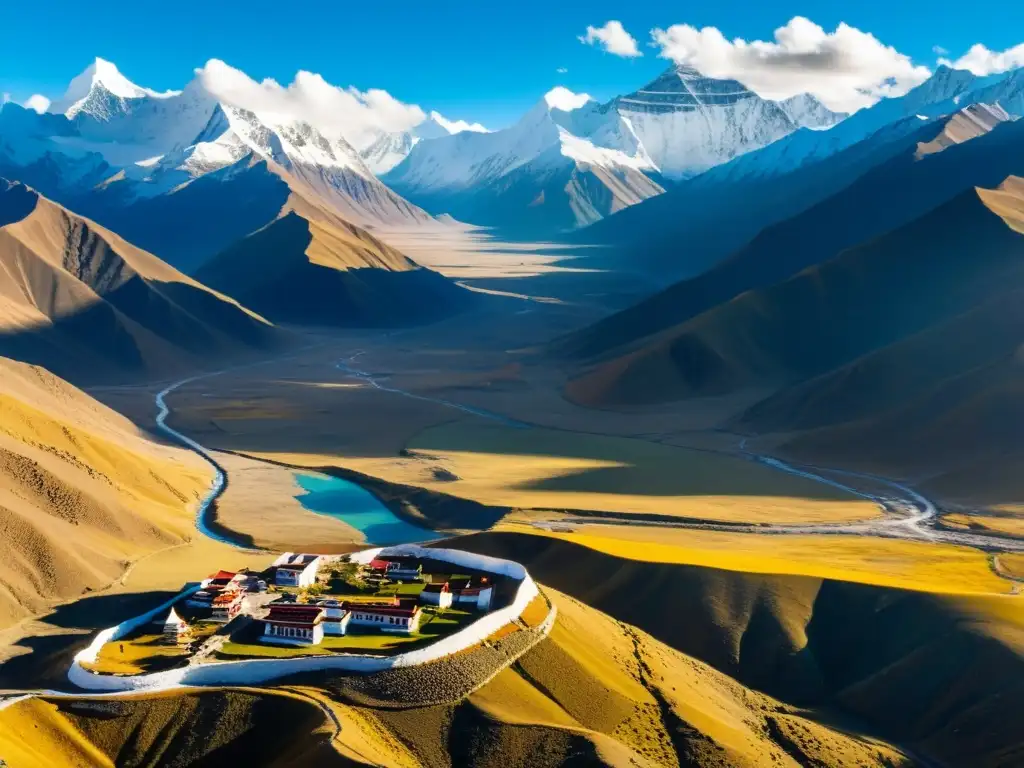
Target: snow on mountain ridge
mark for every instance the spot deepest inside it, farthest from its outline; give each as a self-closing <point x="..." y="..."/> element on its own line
<point x="584" y="130"/>
<point x="388" y="149"/>
<point x="96" y="87"/>
<point x="455" y="126"/>
<point x="689" y="123"/>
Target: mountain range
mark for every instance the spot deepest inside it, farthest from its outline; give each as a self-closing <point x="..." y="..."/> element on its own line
<point x="571" y="161"/>
<point x="123" y="151"/>
<point x="696" y="225"/>
<point x="861" y="306"/>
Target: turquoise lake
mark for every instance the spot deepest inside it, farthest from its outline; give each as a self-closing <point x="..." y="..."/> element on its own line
<point x="360" y="509"/>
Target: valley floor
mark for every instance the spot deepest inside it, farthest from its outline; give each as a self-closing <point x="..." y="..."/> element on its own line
<point x="461" y="427"/>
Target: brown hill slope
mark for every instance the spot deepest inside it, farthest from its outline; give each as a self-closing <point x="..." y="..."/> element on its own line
<point x="943" y="405"/>
<point x="211" y="728"/>
<point x="600" y="692"/>
<point x="891" y="195"/>
<point x="311" y="266"/>
<point x="596" y="692"/>
<point x="955" y="259"/>
<point x="969" y="123"/>
<point x="82" y="301"/>
<point x="82" y="492"/>
<point x="891" y="658"/>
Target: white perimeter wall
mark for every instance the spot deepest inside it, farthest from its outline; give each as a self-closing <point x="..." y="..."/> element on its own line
<point x="253" y="671"/>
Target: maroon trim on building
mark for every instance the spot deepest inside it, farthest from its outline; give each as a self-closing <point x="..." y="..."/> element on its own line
<point x="296" y="615"/>
<point x="382" y="610"/>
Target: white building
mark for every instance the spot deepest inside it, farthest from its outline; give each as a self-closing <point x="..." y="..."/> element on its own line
<point x="478" y="597"/>
<point x="292" y="624"/>
<point x="336" y="617"/>
<point x="386" y="617"/>
<point x="437" y="594"/>
<point x="292" y="570"/>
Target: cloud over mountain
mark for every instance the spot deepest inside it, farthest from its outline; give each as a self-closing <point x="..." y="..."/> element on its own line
<point x="36" y="101"/>
<point x="457" y="126"/>
<point x="982" y="61"/>
<point x="358" y="115"/>
<point x="846" y="69"/>
<point x="614" y="38"/>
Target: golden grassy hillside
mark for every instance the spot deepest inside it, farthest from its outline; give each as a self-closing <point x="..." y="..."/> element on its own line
<point x="212" y="728"/>
<point x="597" y="691"/>
<point x="83" y="493"/>
<point x="891" y="658"/>
<point x="81" y="300"/>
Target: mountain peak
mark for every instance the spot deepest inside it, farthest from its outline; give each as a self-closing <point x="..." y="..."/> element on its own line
<point x="683" y="88"/>
<point x="100" y="76"/>
<point x="453" y="126"/>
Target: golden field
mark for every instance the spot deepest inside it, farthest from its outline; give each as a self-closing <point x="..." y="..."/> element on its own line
<point x="897" y="563"/>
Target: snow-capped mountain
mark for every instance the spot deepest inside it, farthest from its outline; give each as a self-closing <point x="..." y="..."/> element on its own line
<point x="149" y="144"/>
<point x="697" y="222"/>
<point x="688" y="122"/>
<point x="946" y="92"/>
<point x="568" y="161"/>
<point x="808" y="112"/>
<point x="102" y="92"/>
<point x="388" y="148"/>
<point x="676" y="127"/>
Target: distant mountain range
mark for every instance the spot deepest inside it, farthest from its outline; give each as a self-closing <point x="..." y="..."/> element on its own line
<point x="571" y="161"/>
<point x="118" y="152"/>
<point x="702" y="220"/>
<point x="856" y="298"/>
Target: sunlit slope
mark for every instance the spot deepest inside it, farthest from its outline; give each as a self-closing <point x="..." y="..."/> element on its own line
<point x="204" y="729"/>
<point x="892" y="658"/>
<point x="956" y="259"/>
<point x="599" y="692"/>
<point x="551" y="469"/>
<point x="84" y="302"/>
<point x="82" y="492"/>
<point x="599" y="674"/>
<point x="308" y="265"/>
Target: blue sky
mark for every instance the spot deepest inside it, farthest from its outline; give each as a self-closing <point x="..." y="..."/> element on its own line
<point x="466" y="58"/>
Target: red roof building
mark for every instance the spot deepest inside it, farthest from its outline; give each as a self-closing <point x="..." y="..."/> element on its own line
<point x="396" y="616"/>
<point x="226" y="604"/>
<point x="294" y="624"/>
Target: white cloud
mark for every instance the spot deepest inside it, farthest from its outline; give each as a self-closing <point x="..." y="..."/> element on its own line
<point x="847" y="69"/>
<point x="36" y="101"/>
<point x="562" y="98"/>
<point x="614" y="38"/>
<point x="457" y="126"/>
<point x="981" y="61"/>
<point x="356" y="115"/>
<point x="561" y="70"/>
<point x="938" y="50"/>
